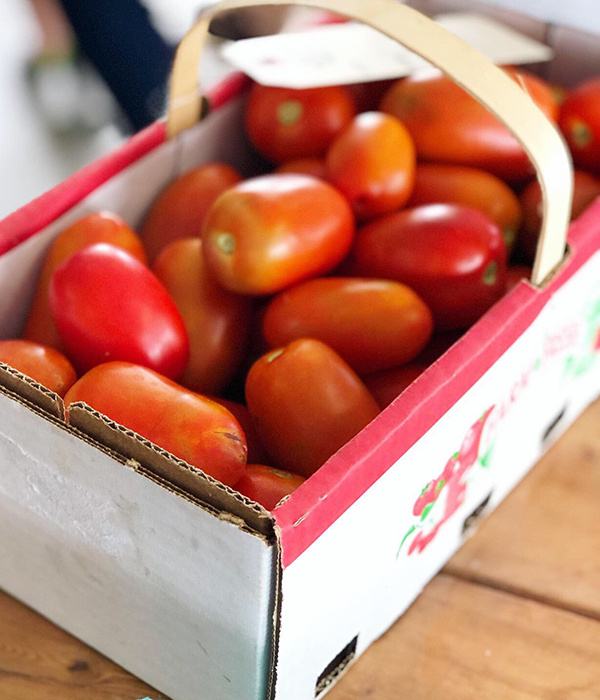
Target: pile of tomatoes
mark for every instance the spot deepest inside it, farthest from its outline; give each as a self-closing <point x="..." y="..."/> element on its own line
<point x="254" y="326"/>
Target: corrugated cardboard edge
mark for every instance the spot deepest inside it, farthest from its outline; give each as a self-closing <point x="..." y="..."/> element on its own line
<point x="33" y="393"/>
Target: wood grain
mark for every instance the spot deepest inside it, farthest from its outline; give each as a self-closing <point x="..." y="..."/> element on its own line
<point x="465" y="641"/>
<point x="39" y="661"/>
<point x="543" y="541"/>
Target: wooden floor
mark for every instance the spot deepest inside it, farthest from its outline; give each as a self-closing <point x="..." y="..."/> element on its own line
<point x="514" y="616"/>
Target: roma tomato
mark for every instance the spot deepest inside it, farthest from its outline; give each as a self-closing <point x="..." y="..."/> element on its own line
<point x="471" y="187"/>
<point x="372" y="163"/>
<point x="190" y="426"/>
<point x="267" y="485"/>
<point x="585" y="190"/>
<point x="580" y="123"/>
<point x="450" y="126"/>
<point x="270" y="232"/>
<point x="306" y="403"/>
<point x="372" y="324"/>
<point x="46" y="366"/>
<point x="282" y="123"/>
<point x="452" y="256"/>
<point x="217" y="321"/>
<point x="515" y="274"/>
<point x="388" y="385"/>
<point x="256" y="451"/>
<point x="315" y="167"/>
<point x="181" y="208"/>
<point x="99" y="227"/>
<point x="108" y="306"/>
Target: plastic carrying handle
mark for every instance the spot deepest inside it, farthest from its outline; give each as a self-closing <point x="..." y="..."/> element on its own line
<point x="487" y="83"/>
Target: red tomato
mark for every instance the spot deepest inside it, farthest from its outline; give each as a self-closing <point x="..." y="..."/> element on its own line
<point x="450" y="126"/>
<point x="108" y="306"/>
<point x="372" y="163"/>
<point x="315" y="167"/>
<point x="306" y="403"/>
<point x="515" y="274"/>
<point x="586" y="188"/>
<point x="283" y="123"/>
<point x="388" y="385"/>
<point x="372" y="324"/>
<point x="190" y="426"/>
<point x="256" y="451"/>
<point x="216" y="320"/>
<point x="367" y="96"/>
<point x="99" y="227"/>
<point x="181" y="208"/>
<point x="452" y="256"/>
<point x="46" y="366"/>
<point x="266" y="485"/>
<point x="580" y="123"/>
<point x="455" y="184"/>
<point x="270" y="232"/>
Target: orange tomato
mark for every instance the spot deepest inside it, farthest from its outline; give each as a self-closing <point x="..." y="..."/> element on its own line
<point x="372" y="324"/>
<point x="304" y="166"/>
<point x="471" y="187"/>
<point x="450" y="126"/>
<point x="181" y="209"/>
<point x="217" y="321"/>
<point x="256" y="451"/>
<point x="46" y="366"/>
<point x="283" y="123"/>
<point x="190" y="426"/>
<point x="580" y="123"/>
<point x="306" y="403"/>
<point x="586" y="188"/>
<point x="270" y="232"/>
<point x="372" y="162"/>
<point x="388" y="385"/>
<point x="267" y="485"/>
<point x="99" y="227"/>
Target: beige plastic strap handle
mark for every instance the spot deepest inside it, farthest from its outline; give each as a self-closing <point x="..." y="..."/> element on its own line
<point x="466" y="66"/>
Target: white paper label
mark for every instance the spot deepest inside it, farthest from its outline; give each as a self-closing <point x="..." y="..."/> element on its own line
<point x="341" y="54"/>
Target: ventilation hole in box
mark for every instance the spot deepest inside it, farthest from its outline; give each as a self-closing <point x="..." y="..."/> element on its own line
<point x="471" y="519"/>
<point x="550" y="429"/>
<point x="336" y="667"/>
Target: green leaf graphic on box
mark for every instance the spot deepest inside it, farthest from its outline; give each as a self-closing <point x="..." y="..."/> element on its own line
<point x="486" y="459"/>
<point x="411" y="529"/>
<point x="426" y="510"/>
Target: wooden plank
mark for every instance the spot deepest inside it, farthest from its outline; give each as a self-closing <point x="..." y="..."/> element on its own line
<point x="464" y="641"/>
<point x="39" y="661"/>
<point x="543" y="541"/>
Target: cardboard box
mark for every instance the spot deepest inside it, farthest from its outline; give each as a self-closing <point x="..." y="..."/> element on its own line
<point x="200" y="592"/>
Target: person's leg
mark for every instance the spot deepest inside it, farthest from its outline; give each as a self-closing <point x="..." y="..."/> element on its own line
<point x="117" y="36"/>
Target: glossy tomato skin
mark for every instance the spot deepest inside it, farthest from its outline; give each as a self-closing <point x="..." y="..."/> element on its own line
<point x="452" y="256"/>
<point x="306" y="403"/>
<point x="470" y="187"/>
<point x="98" y="227"/>
<point x="270" y="232"/>
<point x="450" y="126"/>
<point x="181" y="208"/>
<point x="190" y="426"/>
<point x="267" y="485"/>
<point x="389" y="384"/>
<point x="217" y="321"/>
<point x="108" y="306"/>
<point x="372" y="324"/>
<point x="515" y="274"/>
<point x="45" y="365"/>
<point x="256" y="450"/>
<point x="315" y="167"/>
<point x="586" y="188"/>
<point x="580" y="123"/>
<point x="372" y="162"/>
<point x="283" y="123"/>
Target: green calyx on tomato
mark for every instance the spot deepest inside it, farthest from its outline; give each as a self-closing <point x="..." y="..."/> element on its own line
<point x="274" y="355"/>
<point x="225" y="242"/>
<point x="509" y="234"/>
<point x="580" y="133"/>
<point x="289" y="112"/>
<point x="490" y="274"/>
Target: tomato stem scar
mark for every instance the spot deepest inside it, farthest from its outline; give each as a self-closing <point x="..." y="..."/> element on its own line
<point x="490" y="274"/>
<point x="274" y="355"/>
<point x="225" y="242"/>
<point x="289" y="112"/>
